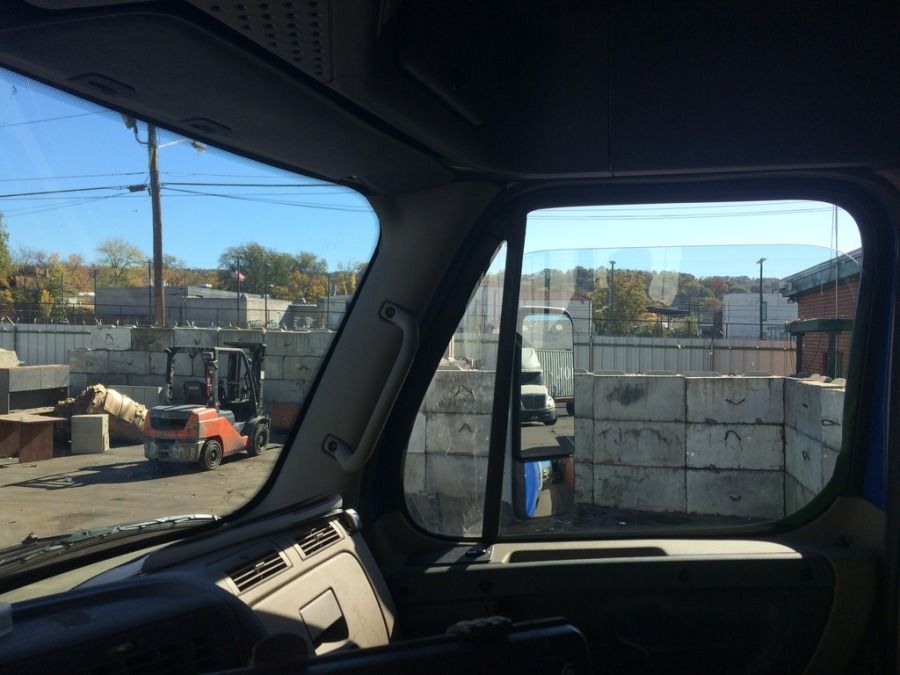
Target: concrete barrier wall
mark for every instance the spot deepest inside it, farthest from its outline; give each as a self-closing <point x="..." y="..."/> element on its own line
<point x="135" y="357"/>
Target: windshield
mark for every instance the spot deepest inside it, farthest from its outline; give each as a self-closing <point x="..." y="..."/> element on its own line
<point x="532" y="377"/>
<point x="147" y="282"/>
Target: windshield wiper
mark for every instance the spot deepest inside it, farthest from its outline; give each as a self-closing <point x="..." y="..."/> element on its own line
<point x="35" y="548"/>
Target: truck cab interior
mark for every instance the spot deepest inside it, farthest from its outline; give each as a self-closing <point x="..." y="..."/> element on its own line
<point x="460" y="123"/>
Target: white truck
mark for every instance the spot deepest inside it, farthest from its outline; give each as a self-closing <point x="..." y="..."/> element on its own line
<point x="536" y="403"/>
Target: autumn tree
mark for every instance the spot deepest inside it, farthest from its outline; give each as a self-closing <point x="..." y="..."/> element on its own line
<point x="617" y="310"/>
<point x="119" y="259"/>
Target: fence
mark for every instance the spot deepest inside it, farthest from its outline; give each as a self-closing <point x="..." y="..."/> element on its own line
<point x="43" y="344"/>
<point x="643" y="355"/>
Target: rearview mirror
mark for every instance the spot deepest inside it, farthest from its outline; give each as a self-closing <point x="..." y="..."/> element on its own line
<point x="543" y="435"/>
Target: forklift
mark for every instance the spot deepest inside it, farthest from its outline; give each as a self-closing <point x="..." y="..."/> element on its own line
<point x="220" y="415"/>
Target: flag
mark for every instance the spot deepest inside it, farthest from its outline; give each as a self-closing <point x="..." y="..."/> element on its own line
<point x="237" y="275"/>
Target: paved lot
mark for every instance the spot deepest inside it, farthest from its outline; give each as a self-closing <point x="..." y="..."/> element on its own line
<point x="70" y="493"/>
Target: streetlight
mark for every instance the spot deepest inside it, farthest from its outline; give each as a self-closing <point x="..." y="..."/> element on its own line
<point x="760" y="263"/>
<point x="153" y="147"/>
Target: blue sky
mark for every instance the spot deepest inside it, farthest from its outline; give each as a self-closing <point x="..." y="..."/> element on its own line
<point x="53" y="142"/>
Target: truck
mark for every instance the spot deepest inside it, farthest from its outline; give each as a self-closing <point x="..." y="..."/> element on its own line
<point x="209" y="419"/>
<point x="536" y="403"/>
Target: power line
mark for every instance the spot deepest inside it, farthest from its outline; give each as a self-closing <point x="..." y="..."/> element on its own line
<point x="275" y="201"/>
<point x="86" y="175"/>
<point x="50" y="119"/>
<point x="55" y="192"/>
<point x="54" y="207"/>
<point x="266" y="185"/>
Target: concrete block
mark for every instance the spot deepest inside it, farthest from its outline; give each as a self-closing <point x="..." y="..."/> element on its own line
<point x="111" y="337"/>
<point x="584" y="396"/>
<point x="274" y="367"/>
<point x="735" y="446"/>
<point x="449" y="433"/>
<point x="195" y="337"/>
<point x="584" y="482"/>
<point x="584" y="440"/>
<point x="639" y="443"/>
<point x="461" y="391"/>
<point x="108" y="379"/>
<point x="735" y="400"/>
<point x="227" y="335"/>
<point x="796" y="496"/>
<point x="131" y="362"/>
<point x="89" y="361"/>
<point x="54" y="376"/>
<point x="158" y="362"/>
<point x="417" y="437"/>
<point x="644" y="398"/>
<point x="285" y="391"/>
<point x="300" y="367"/>
<point x="831" y="417"/>
<point x="77" y="383"/>
<point x="803" y="459"/>
<point x="414" y="473"/>
<point x="320" y="341"/>
<point x="152" y="339"/>
<point x="90" y="434"/>
<point x="640" y="488"/>
<point x="22" y="378"/>
<point x="157" y="381"/>
<point x="754" y="494"/>
<point x="287" y="343"/>
<point x="829" y="459"/>
<point x="457" y="476"/>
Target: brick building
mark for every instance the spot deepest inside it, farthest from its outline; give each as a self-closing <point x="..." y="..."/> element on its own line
<point x="826" y="291"/>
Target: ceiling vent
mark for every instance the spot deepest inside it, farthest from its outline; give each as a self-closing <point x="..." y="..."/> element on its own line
<point x="297" y="32"/>
<point x="248" y="576"/>
<point x="317" y="539"/>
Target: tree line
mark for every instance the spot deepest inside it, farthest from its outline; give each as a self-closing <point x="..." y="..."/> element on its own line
<point x="49" y="281"/>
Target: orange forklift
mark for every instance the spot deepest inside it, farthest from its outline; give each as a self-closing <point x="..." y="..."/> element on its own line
<point x="220" y="415"/>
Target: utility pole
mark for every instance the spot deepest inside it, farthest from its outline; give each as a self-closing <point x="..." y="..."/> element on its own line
<point x="159" y="309"/>
<point x="238" y="277"/>
<point x="760" y="263"/>
<point x="327" y="299"/>
<point x="266" y="292"/>
<point x="612" y="294"/>
<point x="94" y="272"/>
<point x="149" y="291"/>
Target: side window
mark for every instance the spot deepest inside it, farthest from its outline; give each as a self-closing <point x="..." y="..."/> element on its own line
<point x="446" y="459"/>
<point x="679" y="366"/>
<point x="704" y="381"/>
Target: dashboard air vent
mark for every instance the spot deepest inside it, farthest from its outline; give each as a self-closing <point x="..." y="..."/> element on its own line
<point x="248" y="576"/>
<point x="317" y="539"/>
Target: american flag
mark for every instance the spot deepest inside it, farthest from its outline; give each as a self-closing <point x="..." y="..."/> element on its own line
<point x="237" y="275"/>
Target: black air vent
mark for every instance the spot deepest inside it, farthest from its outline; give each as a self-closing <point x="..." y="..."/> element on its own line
<point x="248" y="576"/>
<point x="317" y="539"/>
<point x="194" y="654"/>
<point x="297" y="32"/>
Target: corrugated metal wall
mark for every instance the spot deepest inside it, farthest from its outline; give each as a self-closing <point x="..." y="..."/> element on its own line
<point x="43" y="344"/>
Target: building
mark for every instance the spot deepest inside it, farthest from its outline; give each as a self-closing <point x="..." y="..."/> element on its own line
<point x="740" y="315"/>
<point x="828" y="290"/>
<point x="197" y="305"/>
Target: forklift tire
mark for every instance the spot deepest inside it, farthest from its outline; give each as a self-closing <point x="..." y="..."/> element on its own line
<point x="211" y="455"/>
<point x="259" y="440"/>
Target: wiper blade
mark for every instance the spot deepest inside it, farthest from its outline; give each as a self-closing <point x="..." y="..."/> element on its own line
<point x="34" y="547"/>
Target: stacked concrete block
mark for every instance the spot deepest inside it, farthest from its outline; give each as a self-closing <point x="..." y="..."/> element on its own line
<point x="32" y="386"/>
<point x="90" y="434"/>
<point x="735" y="445"/>
<point x="111" y="337"/>
<point x="813" y="432"/>
<point x="584" y="438"/>
<point x="638" y="433"/>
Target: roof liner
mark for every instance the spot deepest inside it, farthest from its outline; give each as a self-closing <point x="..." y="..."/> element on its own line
<point x="404" y="94"/>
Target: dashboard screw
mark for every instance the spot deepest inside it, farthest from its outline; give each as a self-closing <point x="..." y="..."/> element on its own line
<point x="332" y="445"/>
<point x="389" y="312"/>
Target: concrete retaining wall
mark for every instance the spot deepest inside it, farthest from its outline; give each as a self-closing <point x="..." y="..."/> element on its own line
<point x="135" y="357"/>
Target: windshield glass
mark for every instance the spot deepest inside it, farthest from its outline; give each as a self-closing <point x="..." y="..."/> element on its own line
<point x="147" y="282"/>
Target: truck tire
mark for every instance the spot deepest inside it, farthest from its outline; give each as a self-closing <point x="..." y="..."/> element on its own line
<point x="211" y="455"/>
<point x="259" y="440"/>
<point x="550" y="421"/>
<point x="570" y="407"/>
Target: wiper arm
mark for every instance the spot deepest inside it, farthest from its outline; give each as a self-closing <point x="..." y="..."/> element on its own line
<point x="34" y="547"/>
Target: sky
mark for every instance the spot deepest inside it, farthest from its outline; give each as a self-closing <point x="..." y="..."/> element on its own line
<point x="83" y="159"/>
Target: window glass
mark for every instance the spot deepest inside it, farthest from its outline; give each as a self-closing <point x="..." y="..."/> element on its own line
<point x="446" y="459"/>
<point x="251" y="256"/>
<point x="700" y="377"/>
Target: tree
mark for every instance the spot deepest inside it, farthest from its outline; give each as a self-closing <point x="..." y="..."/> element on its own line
<point x="629" y="302"/>
<point x="6" y="263"/>
<point x="119" y="259"/>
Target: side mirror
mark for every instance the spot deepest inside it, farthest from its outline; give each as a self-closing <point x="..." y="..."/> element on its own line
<point x="543" y="435"/>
